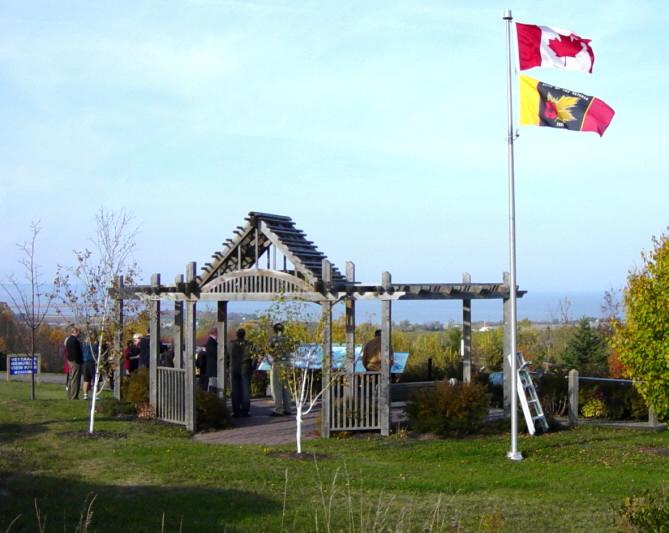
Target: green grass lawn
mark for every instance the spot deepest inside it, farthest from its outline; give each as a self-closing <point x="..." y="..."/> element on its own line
<point x="149" y="472"/>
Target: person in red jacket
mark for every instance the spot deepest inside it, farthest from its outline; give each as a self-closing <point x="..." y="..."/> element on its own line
<point x="66" y="369"/>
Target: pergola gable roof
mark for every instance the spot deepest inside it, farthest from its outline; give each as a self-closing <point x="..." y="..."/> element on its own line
<point x="254" y="239"/>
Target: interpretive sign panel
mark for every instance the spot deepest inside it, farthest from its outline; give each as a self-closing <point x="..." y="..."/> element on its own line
<point x="311" y="356"/>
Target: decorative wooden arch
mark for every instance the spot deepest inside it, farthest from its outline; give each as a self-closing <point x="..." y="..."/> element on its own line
<point x="258" y="284"/>
<point x="269" y="259"/>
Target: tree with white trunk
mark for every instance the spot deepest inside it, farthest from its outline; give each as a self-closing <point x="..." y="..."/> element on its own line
<point x="84" y="287"/>
<point x="301" y="349"/>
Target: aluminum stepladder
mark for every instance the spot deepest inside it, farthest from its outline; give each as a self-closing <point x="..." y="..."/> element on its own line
<point x="529" y="401"/>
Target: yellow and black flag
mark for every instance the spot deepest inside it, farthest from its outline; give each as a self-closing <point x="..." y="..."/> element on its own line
<point x="542" y="104"/>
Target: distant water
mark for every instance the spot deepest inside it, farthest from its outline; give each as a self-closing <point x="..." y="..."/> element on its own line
<point x="538" y="307"/>
<point x="535" y="306"/>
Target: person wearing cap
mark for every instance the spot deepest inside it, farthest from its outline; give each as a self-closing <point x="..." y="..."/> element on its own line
<point x="279" y="357"/>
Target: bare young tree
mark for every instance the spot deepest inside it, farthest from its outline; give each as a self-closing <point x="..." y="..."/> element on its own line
<point x="29" y="298"/>
<point x="301" y="380"/>
<point x="611" y="306"/>
<point x="84" y="287"/>
<point x="299" y="346"/>
<point x="565" y="310"/>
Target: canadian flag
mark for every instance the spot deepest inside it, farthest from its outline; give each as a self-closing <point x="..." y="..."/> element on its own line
<point x="543" y="46"/>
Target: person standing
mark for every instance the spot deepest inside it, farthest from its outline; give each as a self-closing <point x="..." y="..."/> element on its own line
<point x="131" y="354"/>
<point x="88" y="366"/>
<point x="74" y="357"/>
<point x="211" y="351"/>
<point x="144" y="345"/>
<point x="279" y="357"/>
<point x="66" y="370"/>
<point x="201" y="366"/>
<point x="241" y="368"/>
<point x="371" y="354"/>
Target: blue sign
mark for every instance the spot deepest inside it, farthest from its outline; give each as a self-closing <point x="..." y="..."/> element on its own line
<point x="311" y="356"/>
<point x="21" y="364"/>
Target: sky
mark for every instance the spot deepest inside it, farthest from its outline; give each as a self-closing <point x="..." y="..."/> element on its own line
<point x="379" y="127"/>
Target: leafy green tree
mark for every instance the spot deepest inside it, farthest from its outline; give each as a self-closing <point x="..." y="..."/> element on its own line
<point x="488" y="348"/>
<point x="642" y="340"/>
<point x="586" y="351"/>
<point x="443" y="348"/>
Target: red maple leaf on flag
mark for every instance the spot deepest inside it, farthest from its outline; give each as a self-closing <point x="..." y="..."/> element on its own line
<point x="567" y="45"/>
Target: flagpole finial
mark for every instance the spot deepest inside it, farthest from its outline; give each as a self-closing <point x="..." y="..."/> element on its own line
<point x="507" y="15"/>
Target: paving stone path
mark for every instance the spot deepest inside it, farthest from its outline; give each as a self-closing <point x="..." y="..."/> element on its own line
<point x="263" y="429"/>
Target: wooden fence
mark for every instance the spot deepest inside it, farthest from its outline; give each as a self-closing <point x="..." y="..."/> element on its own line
<point x="354" y="402"/>
<point x="171" y="395"/>
<point x="574" y="419"/>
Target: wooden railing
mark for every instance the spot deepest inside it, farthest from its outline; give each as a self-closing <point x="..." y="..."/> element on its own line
<point x="354" y="402"/>
<point x="171" y="397"/>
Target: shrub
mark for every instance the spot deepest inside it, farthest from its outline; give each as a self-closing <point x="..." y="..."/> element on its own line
<point x="136" y="387"/>
<point x="114" y="407"/>
<point x="259" y="384"/>
<point x="553" y="395"/>
<point x="496" y="393"/>
<point x="620" y="401"/>
<point x="594" y="408"/>
<point x="647" y="512"/>
<point x="212" y="412"/>
<point x="449" y="410"/>
<point x="418" y="370"/>
<point x="440" y="348"/>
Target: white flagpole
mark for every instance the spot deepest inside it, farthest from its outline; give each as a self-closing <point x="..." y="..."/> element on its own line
<point x="512" y="454"/>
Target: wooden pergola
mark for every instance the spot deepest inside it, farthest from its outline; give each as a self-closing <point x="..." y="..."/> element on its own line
<point x="268" y="259"/>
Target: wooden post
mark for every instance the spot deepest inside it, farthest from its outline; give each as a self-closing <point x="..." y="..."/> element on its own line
<point x="350" y="331"/>
<point x="653" y="421"/>
<point x="189" y="352"/>
<point x="178" y="330"/>
<point x="573" y="397"/>
<point x="154" y="339"/>
<point x="506" y="312"/>
<point x="222" y="335"/>
<point x="386" y="335"/>
<point x="466" y="335"/>
<point x="326" y="310"/>
<point x="256" y="248"/>
<point x="326" y="314"/>
<point x="119" y="367"/>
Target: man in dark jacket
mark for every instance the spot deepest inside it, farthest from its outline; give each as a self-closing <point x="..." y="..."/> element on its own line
<point x="75" y="359"/>
<point x="144" y="346"/>
<point x="211" y="349"/>
<point x="241" y="368"/>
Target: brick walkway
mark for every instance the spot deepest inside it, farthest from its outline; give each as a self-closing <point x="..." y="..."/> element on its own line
<point x="260" y="428"/>
<point x="265" y="430"/>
